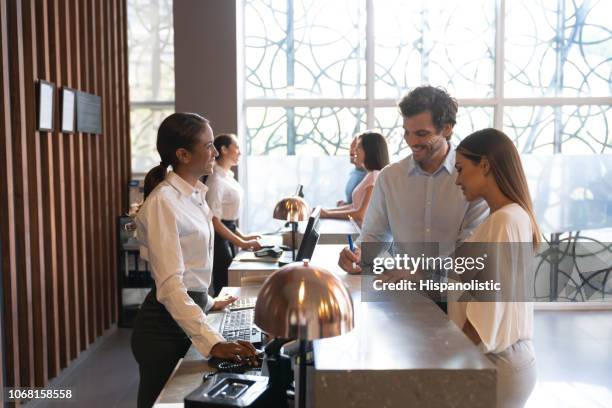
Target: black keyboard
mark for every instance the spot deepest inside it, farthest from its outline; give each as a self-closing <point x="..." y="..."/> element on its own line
<point x="238" y="325"/>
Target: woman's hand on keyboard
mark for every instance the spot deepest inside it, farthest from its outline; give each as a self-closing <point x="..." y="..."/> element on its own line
<point x="221" y="302"/>
<point x="234" y="350"/>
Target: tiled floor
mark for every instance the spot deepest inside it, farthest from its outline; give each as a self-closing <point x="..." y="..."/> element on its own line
<point x="574" y="351"/>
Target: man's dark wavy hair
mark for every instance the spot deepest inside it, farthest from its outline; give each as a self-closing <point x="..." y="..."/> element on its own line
<point x="442" y="106"/>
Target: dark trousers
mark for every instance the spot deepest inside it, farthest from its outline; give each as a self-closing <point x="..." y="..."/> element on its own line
<point x="223" y="256"/>
<point x="158" y="343"/>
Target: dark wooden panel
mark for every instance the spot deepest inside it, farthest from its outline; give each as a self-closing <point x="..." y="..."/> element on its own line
<point x="90" y="64"/>
<point x="105" y="151"/>
<point x="57" y="146"/>
<point x="69" y="171"/>
<point x="124" y="132"/>
<point x="7" y="212"/>
<point x="116" y="148"/>
<point x="21" y="193"/>
<point x="39" y="315"/>
<point x="60" y="193"/>
<point x="49" y="229"/>
<point x="80" y="78"/>
<point x="105" y="61"/>
<point x="99" y="175"/>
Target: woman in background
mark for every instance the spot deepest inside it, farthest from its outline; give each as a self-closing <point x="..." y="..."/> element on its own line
<point x="489" y="167"/>
<point x="224" y="198"/>
<point x="355" y="176"/>
<point x="175" y="232"/>
<point x="372" y="154"/>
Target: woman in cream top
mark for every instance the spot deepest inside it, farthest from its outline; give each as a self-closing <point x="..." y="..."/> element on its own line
<point x="372" y="154"/>
<point x="501" y="324"/>
<point x="489" y="167"/>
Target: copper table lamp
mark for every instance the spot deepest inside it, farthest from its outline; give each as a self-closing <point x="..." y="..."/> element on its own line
<point x="292" y="209"/>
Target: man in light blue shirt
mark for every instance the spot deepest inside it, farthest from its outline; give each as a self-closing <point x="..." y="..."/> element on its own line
<point x="416" y="200"/>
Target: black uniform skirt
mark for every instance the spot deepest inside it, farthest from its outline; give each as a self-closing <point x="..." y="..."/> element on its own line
<point x="158" y="343"/>
<point x="223" y="256"/>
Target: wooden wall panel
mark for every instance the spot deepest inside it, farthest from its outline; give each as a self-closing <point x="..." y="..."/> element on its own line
<point x="89" y="68"/>
<point x="48" y="190"/>
<point x="7" y="206"/>
<point x="38" y="278"/>
<point x="60" y="193"/>
<point x="21" y="196"/>
<point x="99" y="173"/>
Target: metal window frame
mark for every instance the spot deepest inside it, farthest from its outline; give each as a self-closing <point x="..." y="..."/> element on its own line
<point x="370" y="102"/>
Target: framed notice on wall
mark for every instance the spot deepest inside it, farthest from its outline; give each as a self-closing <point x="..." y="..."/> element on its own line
<point x="45" y="98"/>
<point x="68" y="101"/>
<point x="88" y="113"/>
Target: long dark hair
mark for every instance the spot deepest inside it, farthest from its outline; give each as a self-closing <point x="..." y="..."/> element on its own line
<point x="506" y="167"/>
<point x="179" y="130"/>
<point x="223" y="140"/>
<point x="376" y="152"/>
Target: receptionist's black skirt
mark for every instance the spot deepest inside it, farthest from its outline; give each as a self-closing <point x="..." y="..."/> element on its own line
<point x="223" y="256"/>
<point x="158" y="343"/>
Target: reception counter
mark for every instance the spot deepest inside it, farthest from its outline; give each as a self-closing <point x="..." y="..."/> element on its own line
<point x="398" y="355"/>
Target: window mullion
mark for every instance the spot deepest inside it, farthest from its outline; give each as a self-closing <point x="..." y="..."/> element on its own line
<point x="500" y="20"/>
<point x="370" y="67"/>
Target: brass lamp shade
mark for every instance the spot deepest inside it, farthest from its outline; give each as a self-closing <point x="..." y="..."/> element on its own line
<point x="304" y="302"/>
<point x="292" y="209"/>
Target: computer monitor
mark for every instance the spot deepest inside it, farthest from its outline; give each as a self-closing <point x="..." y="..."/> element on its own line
<point x="310" y="238"/>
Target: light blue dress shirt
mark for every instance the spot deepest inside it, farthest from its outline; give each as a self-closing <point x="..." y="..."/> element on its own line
<point x="409" y="205"/>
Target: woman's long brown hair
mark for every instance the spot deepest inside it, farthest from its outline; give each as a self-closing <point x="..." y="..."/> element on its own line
<point x="506" y="167"/>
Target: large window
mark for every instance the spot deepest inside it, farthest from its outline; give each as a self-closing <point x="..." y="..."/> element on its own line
<point x="318" y="71"/>
<point x="151" y="72"/>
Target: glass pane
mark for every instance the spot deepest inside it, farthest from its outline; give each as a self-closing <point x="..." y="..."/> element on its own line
<point x="323" y="179"/>
<point x="302" y="131"/>
<point x="586" y="129"/>
<point x="576" y="129"/>
<point x="143" y="131"/>
<point x="326" y="131"/>
<point x="305" y="48"/>
<point x="266" y="131"/>
<point x="531" y="128"/>
<point x="469" y="119"/>
<point x="151" y="50"/>
<point x="558" y="48"/>
<point x="433" y="42"/>
<point x="389" y="122"/>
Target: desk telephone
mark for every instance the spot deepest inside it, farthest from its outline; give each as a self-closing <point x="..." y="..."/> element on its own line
<point x="236" y="386"/>
<point x="240" y="367"/>
<point x="269" y="251"/>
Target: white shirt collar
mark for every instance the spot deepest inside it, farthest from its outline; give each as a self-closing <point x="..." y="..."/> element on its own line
<point x="183" y="186"/>
<point x="448" y="164"/>
<point x="223" y="172"/>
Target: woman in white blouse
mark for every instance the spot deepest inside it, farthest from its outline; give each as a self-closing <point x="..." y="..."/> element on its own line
<point x="174" y="227"/>
<point x="489" y="167"/>
<point x="224" y="198"/>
